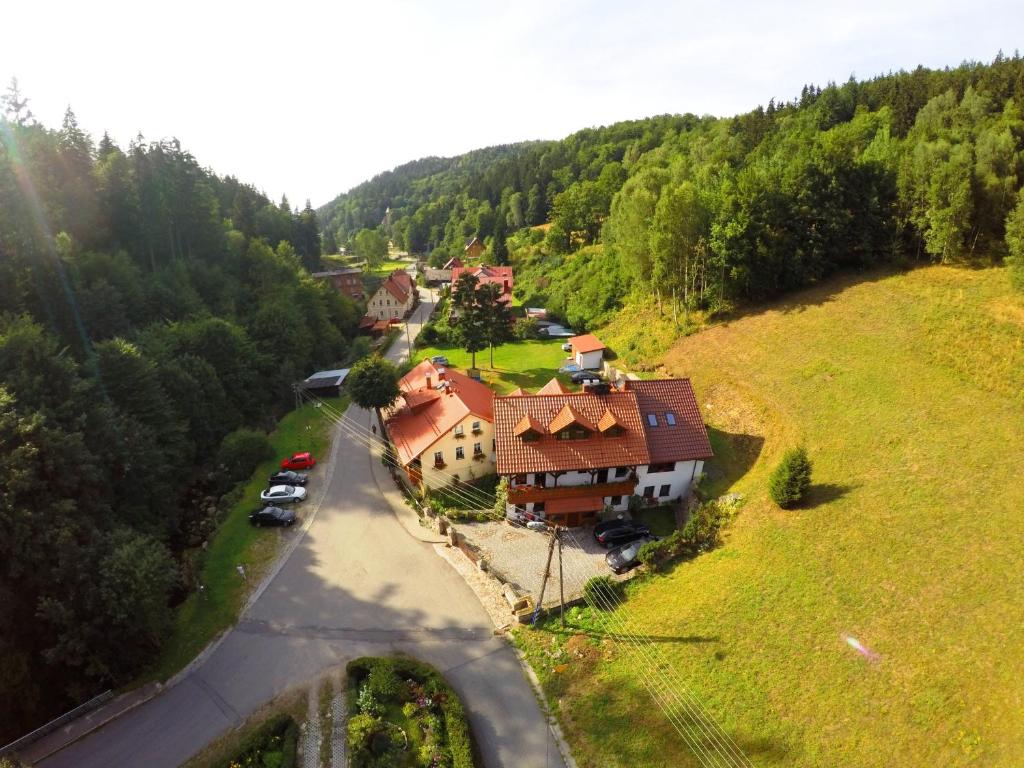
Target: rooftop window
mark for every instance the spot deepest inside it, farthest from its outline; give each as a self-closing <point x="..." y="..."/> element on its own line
<point x="670" y="418"/>
<point x="652" y="420"/>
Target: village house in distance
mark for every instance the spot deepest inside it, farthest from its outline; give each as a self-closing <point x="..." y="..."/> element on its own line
<point x="572" y="455"/>
<point x="442" y="426"/>
<point x="395" y="297"/>
<point x="347" y="282"/>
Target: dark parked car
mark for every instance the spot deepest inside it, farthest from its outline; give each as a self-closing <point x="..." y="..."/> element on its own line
<point x="624" y="558"/>
<point x="288" y="477"/>
<point x="585" y="377"/>
<point x="611" y="533"/>
<point x="272" y="516"/>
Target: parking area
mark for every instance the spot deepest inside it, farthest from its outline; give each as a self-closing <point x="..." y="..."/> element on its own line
<point x="517" y="556"/>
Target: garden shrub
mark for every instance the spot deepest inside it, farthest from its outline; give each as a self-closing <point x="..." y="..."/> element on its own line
<point x="382" y="681"/>
<point x="368" y="703"/>
<point x="459" y="750"/>
<point x="603" y="592"/>
<point x="703" y="531"/>
<point x="274" y="743"/>
<point x="791" y="479"/>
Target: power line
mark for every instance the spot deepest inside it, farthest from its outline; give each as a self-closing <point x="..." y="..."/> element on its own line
<point x="667" y="688"/>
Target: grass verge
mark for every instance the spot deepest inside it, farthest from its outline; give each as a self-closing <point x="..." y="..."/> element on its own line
<point x="202" y="616"/>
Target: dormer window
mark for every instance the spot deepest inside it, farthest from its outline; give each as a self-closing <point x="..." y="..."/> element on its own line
<point x="574" y="432"/>
<point x="652" y="420"/>
<point x="614" y="431"/>
<point x="670" y="418"/>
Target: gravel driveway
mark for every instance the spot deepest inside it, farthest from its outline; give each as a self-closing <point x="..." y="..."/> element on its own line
<point x="517" y="556"/>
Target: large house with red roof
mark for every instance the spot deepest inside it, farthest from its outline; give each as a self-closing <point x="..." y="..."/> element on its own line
<point x="568" y="456"/>
<point x="394" y="298"/>
<point x="486" y="275"/>
<point x="442" y="426"/>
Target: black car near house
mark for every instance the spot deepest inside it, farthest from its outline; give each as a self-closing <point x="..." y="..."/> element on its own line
<point x="288" y="477"/>
<point x="272" y="516"/>
<point x="611" y="533"/>
<point x="626" y="557"/>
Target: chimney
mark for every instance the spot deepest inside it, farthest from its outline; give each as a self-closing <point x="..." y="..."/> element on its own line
<point x="442" y="374"/>
<point x="505" y="285"/>
<point x="430" y="382"/>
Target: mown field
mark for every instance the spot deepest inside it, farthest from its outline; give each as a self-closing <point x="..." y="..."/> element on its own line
<point x="908" y="391"/>
<point x="526" y="364"/>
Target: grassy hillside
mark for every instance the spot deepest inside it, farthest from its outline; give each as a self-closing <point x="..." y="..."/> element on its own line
<point x="908" y="392"/>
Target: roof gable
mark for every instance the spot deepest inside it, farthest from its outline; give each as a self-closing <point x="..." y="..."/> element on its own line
<point x="567" y="417"/>
<point x="588" y="342"/>
<point x="553" y="387"/>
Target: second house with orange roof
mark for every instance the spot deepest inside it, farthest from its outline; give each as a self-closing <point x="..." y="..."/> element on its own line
<point x="442" y="426"/>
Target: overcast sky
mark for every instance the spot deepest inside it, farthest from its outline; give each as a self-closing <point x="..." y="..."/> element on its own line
<point x="310" y="99"/>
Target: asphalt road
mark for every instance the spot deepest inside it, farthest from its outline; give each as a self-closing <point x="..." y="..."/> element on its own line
<point x="356" y="584"/>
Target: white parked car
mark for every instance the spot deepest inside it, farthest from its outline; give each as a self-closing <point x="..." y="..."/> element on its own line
<point x="283" y="494"/>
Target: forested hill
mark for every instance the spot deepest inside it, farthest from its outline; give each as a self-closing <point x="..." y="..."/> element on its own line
<point x="150" y="311"/>
<point x="921" y="165"/>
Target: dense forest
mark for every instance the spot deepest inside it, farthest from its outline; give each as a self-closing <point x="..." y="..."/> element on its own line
<point x="905" y="167"/>
<point x="152" y="319"/>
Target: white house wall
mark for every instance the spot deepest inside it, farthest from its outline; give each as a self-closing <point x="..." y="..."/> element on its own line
<point x="678" y="479"/>
<point x="590" y="361"/>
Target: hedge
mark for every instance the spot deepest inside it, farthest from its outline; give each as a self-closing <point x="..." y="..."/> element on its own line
<point x="458" y="736"/>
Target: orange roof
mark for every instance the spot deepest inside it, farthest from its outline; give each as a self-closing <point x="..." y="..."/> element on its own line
<point x="399" y="285"/>
<point x="588" y="342"/>
<point x="686" y="439"/>
<point x="553" y="387"/>
<point x="550" y="454"/>
<point x="484" y="275"/>
<point x="528" y="424"/>
<point x="517" y="392"/>
<point x="608" y="421"/>
<point x="569" y="415"/>
<point x="424" y="414"/>
<point x="585" y="504"/>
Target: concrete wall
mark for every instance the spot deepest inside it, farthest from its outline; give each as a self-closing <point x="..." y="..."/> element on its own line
<point x="467" y="468"/>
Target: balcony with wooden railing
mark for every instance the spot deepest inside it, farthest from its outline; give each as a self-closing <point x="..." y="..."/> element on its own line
<point x="524" y="494"/>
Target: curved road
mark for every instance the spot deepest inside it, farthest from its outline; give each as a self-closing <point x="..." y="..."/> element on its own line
<point x="356" y="584"/>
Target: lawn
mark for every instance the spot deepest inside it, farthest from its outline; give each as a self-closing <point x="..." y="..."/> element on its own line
<point x="907" y="391"/>
<point x="526" y="364"/>
<point x="202" y="617"/>
<point x="661" y="520"/>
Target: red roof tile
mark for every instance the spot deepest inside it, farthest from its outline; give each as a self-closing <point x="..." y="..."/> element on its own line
<point x="550" y="454"/>
<point x="569" y="415"/>
<point x="588" y="342"/>
<point x="528" y="424"/>
<point x="688" y="438"/>
<point x="423" y="414"/>
<point x="500" y="275"/>
<point x="399" y="285"/>
<point x="608" y="421"/>
<point x="553" y="387"/>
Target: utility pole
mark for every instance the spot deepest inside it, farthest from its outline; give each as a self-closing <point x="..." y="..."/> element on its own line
<point x="547" y="573"/>
<point x="561" y="582"/>
<point x="408" y="338"/>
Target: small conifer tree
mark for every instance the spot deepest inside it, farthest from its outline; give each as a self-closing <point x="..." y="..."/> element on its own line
<point x="791" y="479"/>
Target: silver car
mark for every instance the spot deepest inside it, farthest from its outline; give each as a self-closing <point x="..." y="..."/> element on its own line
<point x="283" y="494"/>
